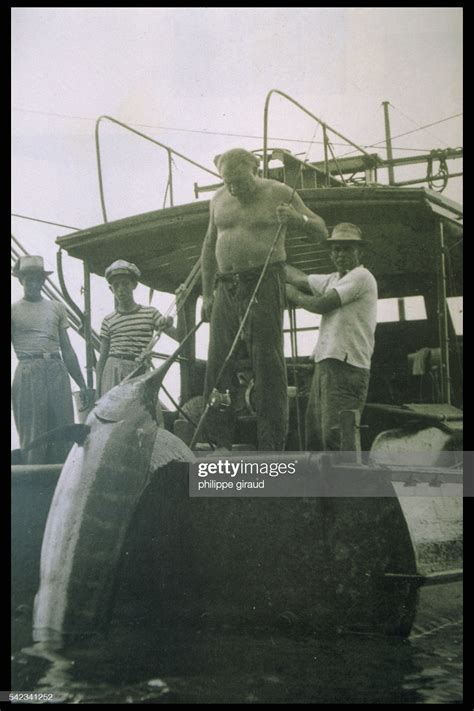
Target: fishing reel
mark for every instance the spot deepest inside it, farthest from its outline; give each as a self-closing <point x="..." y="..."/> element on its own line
<point x="220" y="401"/>
<point x="242" y="399"/>
<point x="243" y="391"/>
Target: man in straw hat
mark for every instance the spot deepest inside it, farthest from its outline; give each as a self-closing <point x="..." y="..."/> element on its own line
<point x="127" y="331"/>
<point x="347" y="301"/>
<point x="245" y="217"/>
<point x="41" y="391"/>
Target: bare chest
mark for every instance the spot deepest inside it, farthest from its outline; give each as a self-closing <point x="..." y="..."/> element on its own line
<point x="230" y="214"/>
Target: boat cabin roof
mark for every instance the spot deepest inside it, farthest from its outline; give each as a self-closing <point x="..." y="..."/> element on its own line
<point x="399" y="225"/>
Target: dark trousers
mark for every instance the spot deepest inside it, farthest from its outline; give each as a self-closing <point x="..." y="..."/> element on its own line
<point x="335" y="386"/>
<point x="262" y="342"/>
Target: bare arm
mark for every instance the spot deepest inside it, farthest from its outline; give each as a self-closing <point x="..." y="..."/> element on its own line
<point x="315" y="304"/>
<point x="294" y="215"/>
<point x="169" y="329"/>
<point x="103" y="355"/>
<point x="70" y="359"/>
<point x="208" y="266"/>
<point x="297" y="278"/>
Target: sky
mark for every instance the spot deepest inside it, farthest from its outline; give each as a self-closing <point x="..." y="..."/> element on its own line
<point x="196" y="79"/>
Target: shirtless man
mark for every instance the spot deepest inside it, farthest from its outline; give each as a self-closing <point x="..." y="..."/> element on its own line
<point x="244" y="218"/>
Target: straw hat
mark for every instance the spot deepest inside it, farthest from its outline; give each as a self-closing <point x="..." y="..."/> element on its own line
<point x="345" y="232"/>
<point x="29" y="264"/>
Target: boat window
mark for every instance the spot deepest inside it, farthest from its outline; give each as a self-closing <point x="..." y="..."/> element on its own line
<point x="408" y="308"/>
<point x="455" y="311"/>
<point x="415" y="309"/>
<point x="387" y="310"/>
<point x="304" y="319"/>
<point x="306" y="341"/>
<point x="307" y="332"/>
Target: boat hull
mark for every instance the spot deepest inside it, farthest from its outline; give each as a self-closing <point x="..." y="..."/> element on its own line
<point x="313" y="564"/>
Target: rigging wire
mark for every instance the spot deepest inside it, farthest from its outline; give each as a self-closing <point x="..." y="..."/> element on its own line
<point x="417" y="124"/>
<point x="239" y="135"/>
<point x="406" y="133"/>
<point x="46" y="222"/>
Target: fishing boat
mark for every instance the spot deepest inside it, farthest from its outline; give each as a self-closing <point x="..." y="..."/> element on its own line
<point x="382" y="562"/>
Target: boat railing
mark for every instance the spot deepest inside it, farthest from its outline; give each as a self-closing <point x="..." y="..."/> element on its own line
<point x="170" y="151"/>
<point x="326" y="141"/>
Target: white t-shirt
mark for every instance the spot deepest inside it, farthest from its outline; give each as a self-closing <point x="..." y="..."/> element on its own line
<point x="36" y="324"/>
<point x="347" y="333"/>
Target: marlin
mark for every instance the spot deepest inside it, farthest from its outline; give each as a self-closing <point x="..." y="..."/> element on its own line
<point x="121" y="449"/>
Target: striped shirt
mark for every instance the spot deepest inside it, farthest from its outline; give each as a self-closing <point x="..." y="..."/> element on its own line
<point x="130" y="333"/>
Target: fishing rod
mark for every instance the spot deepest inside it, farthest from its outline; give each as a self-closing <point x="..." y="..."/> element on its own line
<point x="177" y="406"/>
<point x="251" y="301"/>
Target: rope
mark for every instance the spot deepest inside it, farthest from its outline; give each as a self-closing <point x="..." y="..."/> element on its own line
<point x="442" y="174"/>
<point x="46" y="222"/>
<point x="406" y="133"/>
<point x="417" y="124"/>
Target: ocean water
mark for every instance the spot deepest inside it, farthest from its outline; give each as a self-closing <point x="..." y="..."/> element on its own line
<point x="143" y="663"/>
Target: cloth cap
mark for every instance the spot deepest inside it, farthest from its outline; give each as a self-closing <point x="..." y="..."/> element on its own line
<point x="122" y="267"/>
<point x="346" y="232"/>
<point x="29" y="263"/>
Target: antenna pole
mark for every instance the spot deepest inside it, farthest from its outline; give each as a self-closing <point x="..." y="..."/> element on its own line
<point x="388" y="140"/>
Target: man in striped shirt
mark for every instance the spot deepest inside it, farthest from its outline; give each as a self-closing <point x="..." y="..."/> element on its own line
<point x="127" y="331"/>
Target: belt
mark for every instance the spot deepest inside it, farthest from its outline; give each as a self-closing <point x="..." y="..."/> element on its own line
<point x="249" y="274"/>
<point x="44" y="356"/>
<point x="123" y="356"/>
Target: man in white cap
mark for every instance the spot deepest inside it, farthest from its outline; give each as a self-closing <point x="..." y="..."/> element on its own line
<point x="127" y="331"/>
<point x="245" y="217"/>
<point x="347" y="301"/>
<point x="41" y="391"/>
